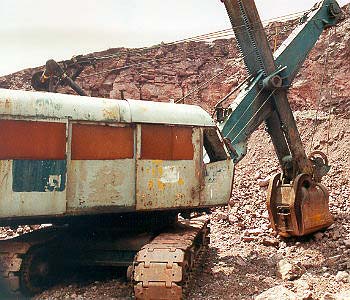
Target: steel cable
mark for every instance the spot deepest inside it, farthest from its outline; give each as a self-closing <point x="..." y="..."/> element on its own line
<point x="212" y="35"/>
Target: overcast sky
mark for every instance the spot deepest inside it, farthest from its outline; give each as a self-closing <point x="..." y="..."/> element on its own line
<point x="33" y="31"/>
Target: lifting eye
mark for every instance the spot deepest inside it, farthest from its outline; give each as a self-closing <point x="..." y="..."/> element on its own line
<point x="306" y="184"/>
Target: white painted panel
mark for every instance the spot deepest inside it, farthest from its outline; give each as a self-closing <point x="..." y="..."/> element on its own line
<point x="55" y="105"/>
<point x="14" y="204"/>
<point x="101" y="183"/>
<point x="217" y="183"/>
<point x="166" y="184"/>
<point x="169" y="113"/>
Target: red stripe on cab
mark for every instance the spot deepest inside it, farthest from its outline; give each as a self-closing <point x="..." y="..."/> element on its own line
<point x="97" y="142"/>
<point x="32" y="140"/>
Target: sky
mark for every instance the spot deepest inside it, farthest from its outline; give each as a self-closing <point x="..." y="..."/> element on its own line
<point x="31" y="32"/>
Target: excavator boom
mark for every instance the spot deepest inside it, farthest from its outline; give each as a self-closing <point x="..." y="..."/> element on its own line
<point x="264" y="99"/>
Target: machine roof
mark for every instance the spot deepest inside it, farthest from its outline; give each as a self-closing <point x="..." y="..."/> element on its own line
<point x="62" y="106"/>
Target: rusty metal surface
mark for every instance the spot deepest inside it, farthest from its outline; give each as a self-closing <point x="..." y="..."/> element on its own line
<point x="59" y="106"/>
<point x="166" y="142"/>
<point x="218" y="179"/>
<point x="299" y="208"/>
<point x="12" y="254"/>
<point x="162" y="268"/>
<point x="95" y="175"/>
<point x="162" y="184"/>
<point x="101" y="183"/>
<point x="121" y="183"/>
<point x="10" y="265"/>
<point x="98" y="142"/>
<point x="157" y="290"/>
<point x="170" y="183"/>
<point x="32" y="140"/>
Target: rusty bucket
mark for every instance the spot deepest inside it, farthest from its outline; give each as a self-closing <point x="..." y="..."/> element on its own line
<point x="298" y="208"/>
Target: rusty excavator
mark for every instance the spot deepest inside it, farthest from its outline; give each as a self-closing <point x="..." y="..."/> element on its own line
<point x="129" y="182"/>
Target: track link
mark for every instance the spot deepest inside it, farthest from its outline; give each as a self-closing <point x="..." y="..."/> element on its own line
<point x="14" y="254"/>
<point x="162" y="268"/>
<point x="11" y="257"/>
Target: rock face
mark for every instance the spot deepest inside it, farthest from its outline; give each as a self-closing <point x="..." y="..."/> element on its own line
<point x="171" y="71"/>
<point x="342" y="276"/>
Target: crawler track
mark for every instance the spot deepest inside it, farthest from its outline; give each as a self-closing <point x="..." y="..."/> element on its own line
<point x="11" y="255"/>
<point x="162" y="268"/>
<point x="15" y="255"/>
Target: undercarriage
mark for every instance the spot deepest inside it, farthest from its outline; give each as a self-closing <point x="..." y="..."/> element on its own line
<point x="160" y="261"/>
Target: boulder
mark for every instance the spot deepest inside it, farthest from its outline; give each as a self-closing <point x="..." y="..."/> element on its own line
<point x="289" y="271"/>
<point x="277" y="292"/>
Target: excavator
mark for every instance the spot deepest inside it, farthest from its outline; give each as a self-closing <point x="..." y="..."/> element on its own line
<point x="129" y="182"/>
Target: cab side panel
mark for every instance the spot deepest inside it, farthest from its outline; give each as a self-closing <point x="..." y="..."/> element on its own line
<point x="32" y="168"/>
<point x="101" y="173"/>
<point x="168" y="167"/>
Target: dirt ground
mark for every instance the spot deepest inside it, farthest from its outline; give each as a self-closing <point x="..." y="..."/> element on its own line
<point x="244" y="252"/>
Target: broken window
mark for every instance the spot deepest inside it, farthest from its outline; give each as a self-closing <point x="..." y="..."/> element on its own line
<point x="214" y="148"/>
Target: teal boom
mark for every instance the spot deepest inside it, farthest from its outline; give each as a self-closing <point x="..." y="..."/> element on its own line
<point x="264" y="98"/>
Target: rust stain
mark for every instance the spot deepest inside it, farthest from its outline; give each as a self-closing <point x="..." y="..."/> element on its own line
<point x="181" y="181"/>
<point x="7" y="104"/>
<point x="94" y="142"/>
<point x="150" y="185"/>
<point x="32" y="140"/>
<point x="161" y="185"/>
<point x="157" y="168"/>
<point x="111" y="114"/>
<point x="166" y="142"/>
<point x="160" y="170"/>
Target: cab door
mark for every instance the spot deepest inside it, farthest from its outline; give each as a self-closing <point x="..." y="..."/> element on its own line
<point x="218" y="170"/>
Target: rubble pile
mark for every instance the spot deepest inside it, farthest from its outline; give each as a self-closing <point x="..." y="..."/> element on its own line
<point x="246" y="258"/>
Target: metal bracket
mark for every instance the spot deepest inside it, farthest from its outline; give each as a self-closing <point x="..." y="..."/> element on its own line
<point x="274" y="80"/>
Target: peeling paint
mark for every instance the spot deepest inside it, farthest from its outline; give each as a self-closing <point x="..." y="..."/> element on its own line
<point x="54" y="182"/>
<point x="109" y="182"/>
<point x="173" y="181"/>
<point x="161" y="185"/>
<point x="170" y="174"/>
<point x="111" y="114"/>
<point x="157" y="168"/>
<point x="217" y="183"/>
<point x="101" y="183"/>
<point x="26" y="204"/>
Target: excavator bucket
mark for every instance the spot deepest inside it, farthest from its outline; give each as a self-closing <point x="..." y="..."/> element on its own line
<point x="298" y="208"/>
